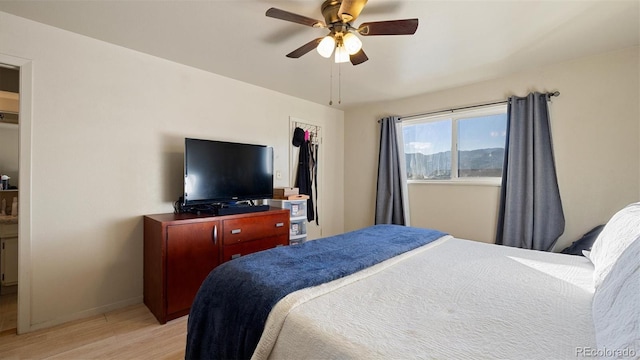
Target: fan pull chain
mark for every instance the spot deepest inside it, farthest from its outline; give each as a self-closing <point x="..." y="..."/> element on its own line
<point x="330" y="83"/>
<point x="340" y="83"/>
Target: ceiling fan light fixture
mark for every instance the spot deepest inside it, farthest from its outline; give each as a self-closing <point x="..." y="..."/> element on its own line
<point x="343" y="37"/>
<point x="326" y="46"/>
<point x="342" y="55"/>
<point x="352" y="43"/>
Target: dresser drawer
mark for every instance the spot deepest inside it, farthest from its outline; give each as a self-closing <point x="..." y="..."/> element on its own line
<point x="230" y="252"/>
<point x="254" y="228"/>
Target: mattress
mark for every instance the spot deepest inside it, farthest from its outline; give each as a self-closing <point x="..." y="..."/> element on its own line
<point x="452" y="298"/>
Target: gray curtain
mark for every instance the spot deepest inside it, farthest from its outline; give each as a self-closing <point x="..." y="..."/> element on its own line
<point x="530" y="214"/>
<point x="390" y="194"/>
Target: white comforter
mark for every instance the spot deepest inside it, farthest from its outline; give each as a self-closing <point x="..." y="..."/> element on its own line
<point x="450" y="299"/>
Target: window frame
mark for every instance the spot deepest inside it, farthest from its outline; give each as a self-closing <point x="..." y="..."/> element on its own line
<point x="455" y="116"/>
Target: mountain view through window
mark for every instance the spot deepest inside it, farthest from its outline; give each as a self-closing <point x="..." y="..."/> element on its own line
<point x="467" y="147"/>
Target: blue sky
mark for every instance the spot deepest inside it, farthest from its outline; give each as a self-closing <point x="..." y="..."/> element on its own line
<point x="475" y="133"/>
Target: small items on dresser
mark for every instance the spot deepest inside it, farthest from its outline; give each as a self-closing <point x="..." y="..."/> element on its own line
<point x="14" y="207"/>
<point x="9" y="203"/>
<point x="292" y="193"/>
<point x="4" y="182"/>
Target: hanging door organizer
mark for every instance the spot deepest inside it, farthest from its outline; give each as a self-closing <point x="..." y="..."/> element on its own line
<point x="315" y="135"/>
<point x="306" y="161"/>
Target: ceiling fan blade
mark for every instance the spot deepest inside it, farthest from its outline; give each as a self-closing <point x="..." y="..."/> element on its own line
<point x="304" y="48"/>
<point x="350" y="9"/>
<point x="358" y="58"/>
<point x="391" y="27"/>
<point x="299" y="19"/>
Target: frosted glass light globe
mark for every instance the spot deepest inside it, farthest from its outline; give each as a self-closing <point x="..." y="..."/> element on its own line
<point x="326" y="46"/>
<point x="341" y="55"/>
<point x="352" y="43"/>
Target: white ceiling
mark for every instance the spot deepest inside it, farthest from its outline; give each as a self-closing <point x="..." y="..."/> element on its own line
<point x="457" y="42"/>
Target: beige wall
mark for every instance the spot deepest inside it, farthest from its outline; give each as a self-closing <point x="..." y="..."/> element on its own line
<point x="107" y="132"/>
<point x="447" y="207"/>
<point x="595" y="124"/>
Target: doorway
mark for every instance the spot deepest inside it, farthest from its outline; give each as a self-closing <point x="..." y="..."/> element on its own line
<point x="313" y="228"/>
<point x="9" y="195"/>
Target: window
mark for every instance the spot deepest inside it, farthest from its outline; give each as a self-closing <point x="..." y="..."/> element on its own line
<point x="464" y="145"/>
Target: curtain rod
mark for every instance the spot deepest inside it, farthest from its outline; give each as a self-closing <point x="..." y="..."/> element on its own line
<point x="549" y="95"/>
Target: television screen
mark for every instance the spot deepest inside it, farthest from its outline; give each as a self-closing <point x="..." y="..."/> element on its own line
<point x="224" y="172"/>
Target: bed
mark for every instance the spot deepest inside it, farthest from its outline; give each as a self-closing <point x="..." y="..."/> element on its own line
<point x="399" y="292"/>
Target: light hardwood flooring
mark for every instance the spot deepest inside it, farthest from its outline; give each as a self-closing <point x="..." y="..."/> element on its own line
<point x="8" y="312"/>
<point x="128" y="333"/>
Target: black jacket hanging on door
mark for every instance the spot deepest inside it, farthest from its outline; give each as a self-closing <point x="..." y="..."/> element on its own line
<point x="303" y="178"/>
<point x="313" y="167"/>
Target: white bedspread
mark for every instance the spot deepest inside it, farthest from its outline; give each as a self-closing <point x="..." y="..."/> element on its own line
<point x="449" y="299"/>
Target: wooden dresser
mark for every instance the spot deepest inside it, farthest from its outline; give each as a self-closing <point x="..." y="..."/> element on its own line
<point x="181" y="249"/>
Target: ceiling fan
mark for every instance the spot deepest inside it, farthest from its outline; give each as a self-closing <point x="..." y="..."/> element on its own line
<point x="338" y="16"/>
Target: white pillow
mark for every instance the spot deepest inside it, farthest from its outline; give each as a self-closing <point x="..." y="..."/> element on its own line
<point x="616" y="307"/>
<point x="620" y="231"/>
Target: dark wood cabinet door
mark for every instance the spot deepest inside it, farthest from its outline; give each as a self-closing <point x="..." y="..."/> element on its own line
<point x="192" y="252"/>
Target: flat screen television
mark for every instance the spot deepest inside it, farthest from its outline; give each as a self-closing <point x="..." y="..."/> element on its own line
<point x="219" y="172"/>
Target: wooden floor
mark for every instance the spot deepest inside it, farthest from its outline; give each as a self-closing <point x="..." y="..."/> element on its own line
<point x="8" y="312"/>
<point x="129" y="333"/>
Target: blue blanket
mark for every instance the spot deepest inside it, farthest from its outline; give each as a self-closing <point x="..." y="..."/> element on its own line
<point x="231" y="308"/>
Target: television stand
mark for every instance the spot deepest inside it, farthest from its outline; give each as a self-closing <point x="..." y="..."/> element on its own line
<point x="239" y="209"/>
<point x="180" y="250"/>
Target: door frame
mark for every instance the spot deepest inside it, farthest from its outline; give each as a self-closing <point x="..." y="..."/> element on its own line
<point x="313" y="231"/>
<point x="25" y="186"/>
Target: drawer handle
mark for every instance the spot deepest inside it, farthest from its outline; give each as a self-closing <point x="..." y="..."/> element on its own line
<point x="236" y="231"/>
<point x="279" y="224"/>
<point x="235" y="256"/>
<point x="215" y="234"/>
